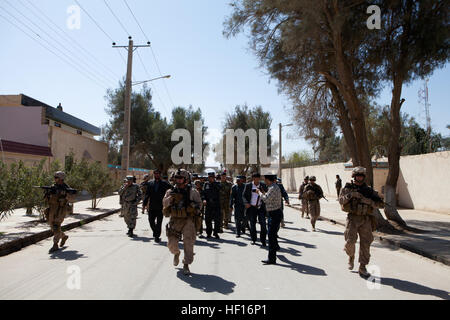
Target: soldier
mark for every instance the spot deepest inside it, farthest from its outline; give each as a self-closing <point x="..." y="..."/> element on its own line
<point x="255" y="208"/>
<point x="199" y="187"/>
<point x="302" y="198"/>
<point x="236" y="199"/>
<point x="155" y="191"/>
<point x="313" y="193"/>
<point x="285" y="196"/>
<point x="211" y="199"/>
<point x="225" y="194"/>
<point x="131" y="194"/>
<point x="143" y="187"/>
<point x="121" y="200"/>
<point x="359" y="201"/>
<point x="58" y="197"/>
<point x="273" y="200"/>
<point x="182" y="205"/>
<point x="338" y="186"/>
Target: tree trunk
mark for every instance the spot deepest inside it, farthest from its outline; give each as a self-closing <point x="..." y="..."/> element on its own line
<point x="344" y="122"/>
<point x="394" y="150"/>
<point x="29" y="211"/>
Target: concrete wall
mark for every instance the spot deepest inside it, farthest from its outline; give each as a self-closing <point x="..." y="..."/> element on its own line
<point x="62" y="142"/>
<point x="423" y="183"/>
<point x="23" y="125"/>
<point x="27" y="159"/>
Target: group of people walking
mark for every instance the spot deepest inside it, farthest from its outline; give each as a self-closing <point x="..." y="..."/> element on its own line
<point x="190" y="201"/>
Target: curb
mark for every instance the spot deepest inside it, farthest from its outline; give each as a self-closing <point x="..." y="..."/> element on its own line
<point x="399" y="244"/>
<point x="16" y="245"/>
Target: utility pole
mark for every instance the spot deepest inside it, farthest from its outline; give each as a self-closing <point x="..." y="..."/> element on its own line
<point x="280" y="127"/>
<point x="127" y="111"/>
<point x="423" y="98"/>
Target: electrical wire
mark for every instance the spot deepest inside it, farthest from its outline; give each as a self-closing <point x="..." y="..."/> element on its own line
<point x="67" y="36"/>
<point x="152" y="51"/>
<point x="80" y="64"/>
<point x="117" y="18"/>
<point x="45" y="47"/>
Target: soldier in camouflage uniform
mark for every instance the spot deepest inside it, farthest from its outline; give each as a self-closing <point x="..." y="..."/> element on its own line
<point x="182" y="204"/>
<point x="225" y="194"/>
<point x="58" y="199"/>
<point x="313" y="193"/>
<point x="121" y="200"/>
<point x="302" y="198"/>
<point x="131" y="194"/>
<point x="143" y="186"/>
<point x="359" y="200"/>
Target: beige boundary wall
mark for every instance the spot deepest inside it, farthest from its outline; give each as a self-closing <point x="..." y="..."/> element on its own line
<point x="423" y="184"/>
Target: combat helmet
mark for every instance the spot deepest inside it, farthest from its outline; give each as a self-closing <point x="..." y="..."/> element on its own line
<point x="60" y="174"/>
<point x="312" y="178"/>
<point x="181" y="173"/>
<point x="359" y="171"/>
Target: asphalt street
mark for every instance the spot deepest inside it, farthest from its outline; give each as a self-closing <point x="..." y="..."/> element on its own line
<point x="101" y="262"/>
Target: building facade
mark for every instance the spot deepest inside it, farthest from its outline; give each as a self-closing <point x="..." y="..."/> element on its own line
<point x="31" y="130"/>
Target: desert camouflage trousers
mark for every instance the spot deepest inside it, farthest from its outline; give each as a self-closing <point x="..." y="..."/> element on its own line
<point x="130" y="214"/>
<point x="314" y="211"/>
<point x="181" y="227"/>
<point x="358" y="225"/>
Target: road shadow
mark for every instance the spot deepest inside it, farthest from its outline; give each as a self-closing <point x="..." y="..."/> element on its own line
<point x="207" y="282"/>
<point x="69" y="255"/>
<point x="301" y="268"/>
<point x="297" y="243"/>
<point x="206" y="243"/>
<point x="334" y="233"/>
<point x="415" y="288"/>
<point x="139" y="238"/>
<point x="289" y="228"/>
<point x="291" y="251"/>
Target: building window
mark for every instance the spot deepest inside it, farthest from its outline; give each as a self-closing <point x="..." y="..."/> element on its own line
<point x="79" y="132"/>
<point x="57" y="124"/>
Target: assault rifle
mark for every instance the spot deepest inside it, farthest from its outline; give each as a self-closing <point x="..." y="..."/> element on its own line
<point x="53" y="189"/>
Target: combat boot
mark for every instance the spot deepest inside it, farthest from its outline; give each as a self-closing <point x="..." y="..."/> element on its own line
<point x="54" y="248"/>
<point x="186" y="270"/>
<point x="63" y="241"/>
<point x="351" y="263"/>
<point x="176" y="259"/>
<point x="363" y="271"/>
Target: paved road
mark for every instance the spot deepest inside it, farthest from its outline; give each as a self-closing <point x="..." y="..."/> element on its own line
<point x="311" y="266"/>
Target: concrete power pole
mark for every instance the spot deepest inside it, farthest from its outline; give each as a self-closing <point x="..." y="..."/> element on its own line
<point x="127" y="111"/>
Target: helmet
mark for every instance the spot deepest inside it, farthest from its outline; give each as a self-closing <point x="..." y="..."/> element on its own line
<point x="129" y="178"/>
<point x="60" y="174"/>
<point x="183" y="174"/>
<point x="211" y="174"/>
<point x="306" y="178"/>
<point x="359" y="171"/>
<point x="312" y="178"/>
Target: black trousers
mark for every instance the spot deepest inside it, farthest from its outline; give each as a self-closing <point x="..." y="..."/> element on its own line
<point x="253" y="214"/>
<point x="274" y="221"/>
<point x="155" y="217"/>
<point x="239" y="218"/>
<point x="212" y="215"/>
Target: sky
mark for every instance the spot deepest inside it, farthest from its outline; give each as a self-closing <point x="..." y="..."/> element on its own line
<point x="207" y="70"/>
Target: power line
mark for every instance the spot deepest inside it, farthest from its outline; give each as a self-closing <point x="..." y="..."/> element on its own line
<point x="57" y="41"/>
<point x="100" y="28"/>
<point x="148" y="75"/>
<point x="45" y="47"/>
<point x="153" y="53"/>
<point x="67" y="35"/>
<point x="117" y="18"/>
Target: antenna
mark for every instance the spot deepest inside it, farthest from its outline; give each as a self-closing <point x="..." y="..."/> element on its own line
<point x="423" y="99"/>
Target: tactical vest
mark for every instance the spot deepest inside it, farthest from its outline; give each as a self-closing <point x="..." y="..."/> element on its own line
<point x="355" y="206"/>
<point x="179" y="208"/>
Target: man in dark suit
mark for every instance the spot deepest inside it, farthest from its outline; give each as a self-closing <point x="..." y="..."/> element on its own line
<point x="155" y="191"/>
<point x="255" y="208"/>
<point x="236" y="201"/>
